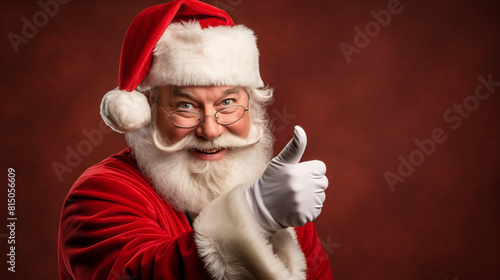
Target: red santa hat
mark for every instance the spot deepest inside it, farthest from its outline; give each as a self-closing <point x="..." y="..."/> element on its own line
<point x="181" y="43"/>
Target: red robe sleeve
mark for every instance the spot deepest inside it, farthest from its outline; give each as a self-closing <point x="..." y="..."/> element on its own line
<point x="318" y="265"/>
<point x="114" y="226"/>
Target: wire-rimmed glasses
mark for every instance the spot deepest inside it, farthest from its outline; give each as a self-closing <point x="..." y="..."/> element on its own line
<point x="190" y="119"/>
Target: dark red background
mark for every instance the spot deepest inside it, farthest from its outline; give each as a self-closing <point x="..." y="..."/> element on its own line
<point x="440" y="223"/>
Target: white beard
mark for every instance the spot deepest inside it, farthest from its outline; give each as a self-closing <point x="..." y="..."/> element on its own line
<point x="189" y="184"/>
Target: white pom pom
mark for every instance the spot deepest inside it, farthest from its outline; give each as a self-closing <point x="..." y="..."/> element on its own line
<point x="125" y="111"/>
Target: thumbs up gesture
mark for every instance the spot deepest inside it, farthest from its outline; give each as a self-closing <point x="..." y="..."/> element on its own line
<point x="289" y="193"/>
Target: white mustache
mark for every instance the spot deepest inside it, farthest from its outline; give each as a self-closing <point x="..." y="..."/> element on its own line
<point x="226" y="140"/>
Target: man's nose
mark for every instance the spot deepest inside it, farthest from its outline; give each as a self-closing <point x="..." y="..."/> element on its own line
<point x="210" y="129"/>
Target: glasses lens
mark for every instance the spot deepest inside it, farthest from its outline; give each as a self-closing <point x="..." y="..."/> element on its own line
<point x="186" y="118"/>
<point x="230" y="115"/>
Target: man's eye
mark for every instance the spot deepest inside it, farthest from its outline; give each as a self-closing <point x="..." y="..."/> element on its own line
<point x="185" y="106"/>
<point x="227" y="102"/>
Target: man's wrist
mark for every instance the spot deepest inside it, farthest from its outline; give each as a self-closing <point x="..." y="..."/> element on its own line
<point x="267" y="223"/>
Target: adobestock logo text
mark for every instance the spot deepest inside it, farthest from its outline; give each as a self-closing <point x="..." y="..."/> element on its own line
<point x="453" y="116"/>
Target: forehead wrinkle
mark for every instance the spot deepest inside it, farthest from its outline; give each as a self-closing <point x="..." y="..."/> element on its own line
<point x="231" y="90"/>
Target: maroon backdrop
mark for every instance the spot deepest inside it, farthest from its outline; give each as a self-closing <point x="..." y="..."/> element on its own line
<point x="399" y="98"/>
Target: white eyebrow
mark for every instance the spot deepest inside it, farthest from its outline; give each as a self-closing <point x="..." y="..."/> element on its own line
<point x="180" y="92"/>
<point x="231" y="90"/>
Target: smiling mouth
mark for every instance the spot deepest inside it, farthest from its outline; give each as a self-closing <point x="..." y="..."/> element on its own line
<point x="208" y="151"/>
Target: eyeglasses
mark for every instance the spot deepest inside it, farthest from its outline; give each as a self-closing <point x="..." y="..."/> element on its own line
<point x="190" y="119"/>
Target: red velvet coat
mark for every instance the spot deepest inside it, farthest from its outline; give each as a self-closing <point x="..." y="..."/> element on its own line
<point x="115" y="226"/>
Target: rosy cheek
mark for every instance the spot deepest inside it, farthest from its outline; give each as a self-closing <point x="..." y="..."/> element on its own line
<point x="175" y="134"/>
<point x="161" y="124"/>
<point x="241" y="127"/>
<point x="169" y="131"/>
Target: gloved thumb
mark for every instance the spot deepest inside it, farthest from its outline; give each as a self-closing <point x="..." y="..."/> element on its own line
<point x="293" y="151"/>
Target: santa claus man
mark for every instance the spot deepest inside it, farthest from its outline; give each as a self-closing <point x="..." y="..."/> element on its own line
<point x="196" y="195"/>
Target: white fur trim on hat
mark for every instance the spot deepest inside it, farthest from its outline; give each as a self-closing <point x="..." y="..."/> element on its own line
<point x="125" y="111"/>
<point x="232" y="245"/>
<point x="188" y="55"/>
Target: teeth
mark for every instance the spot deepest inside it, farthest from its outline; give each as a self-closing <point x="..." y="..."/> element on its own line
<point x="210" y="151"/>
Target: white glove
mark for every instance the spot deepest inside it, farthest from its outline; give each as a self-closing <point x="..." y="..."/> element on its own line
<point x="289" y="193"/>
